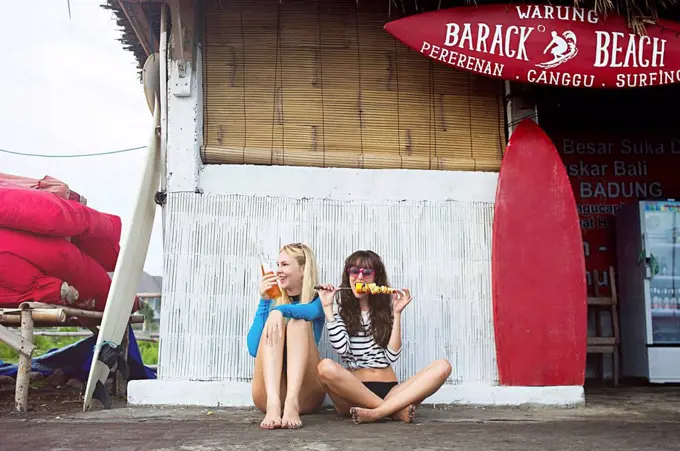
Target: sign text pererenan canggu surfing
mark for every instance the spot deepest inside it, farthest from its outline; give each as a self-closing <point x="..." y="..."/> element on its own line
<point x="546" y="44"/>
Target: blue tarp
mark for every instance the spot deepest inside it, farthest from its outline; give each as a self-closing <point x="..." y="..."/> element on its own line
<point x="75" y="361"/>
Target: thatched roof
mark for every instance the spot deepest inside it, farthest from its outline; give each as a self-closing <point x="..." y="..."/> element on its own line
<point x="638" y="12"/>
<point x="151" y="11"/>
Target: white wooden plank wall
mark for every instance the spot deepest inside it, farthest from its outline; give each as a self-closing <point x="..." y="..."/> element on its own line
<point x="440" y="250"/>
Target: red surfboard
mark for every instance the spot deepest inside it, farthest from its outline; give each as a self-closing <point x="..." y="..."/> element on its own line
<point x="553" y="45"/>
<point x="538" y="267"/>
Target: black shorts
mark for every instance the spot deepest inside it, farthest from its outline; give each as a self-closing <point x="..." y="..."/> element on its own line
<point x="380" y="388"/>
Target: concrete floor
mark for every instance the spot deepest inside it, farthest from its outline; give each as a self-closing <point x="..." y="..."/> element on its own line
<point x="613" y="419"/>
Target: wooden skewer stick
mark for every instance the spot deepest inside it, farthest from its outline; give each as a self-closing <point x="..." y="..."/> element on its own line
<point x="320" y="287"/>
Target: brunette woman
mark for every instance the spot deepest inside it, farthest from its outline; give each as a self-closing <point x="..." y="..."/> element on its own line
<point x="366" y="333"/>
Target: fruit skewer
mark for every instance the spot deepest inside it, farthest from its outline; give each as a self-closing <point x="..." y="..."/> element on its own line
<point x="370" y="288"/>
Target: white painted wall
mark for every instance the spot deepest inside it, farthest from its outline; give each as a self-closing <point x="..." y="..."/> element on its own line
<point x="434" y="237"/>
<point x="439" y="248"/>
<point x="350" y="184"/>
<point x="520" y="105"/>
<point x="184" y="129"/>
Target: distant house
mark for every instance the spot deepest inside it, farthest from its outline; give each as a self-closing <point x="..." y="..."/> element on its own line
<point x="151" y="285"/>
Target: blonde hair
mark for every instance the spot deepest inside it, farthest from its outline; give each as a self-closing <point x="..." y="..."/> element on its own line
<point x="304" y="255"/>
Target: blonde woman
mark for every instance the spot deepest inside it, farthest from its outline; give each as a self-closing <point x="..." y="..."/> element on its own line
<point x="283" y="339"/>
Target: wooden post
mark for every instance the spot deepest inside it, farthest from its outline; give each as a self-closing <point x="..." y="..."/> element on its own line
<point x="121" y="382"/>
<point x="24" y="372"/>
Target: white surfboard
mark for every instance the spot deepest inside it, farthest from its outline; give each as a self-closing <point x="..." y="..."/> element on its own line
<point x="130" y="263"/>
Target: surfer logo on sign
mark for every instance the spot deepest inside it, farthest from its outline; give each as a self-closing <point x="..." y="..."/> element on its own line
<point x="563" y="49"/>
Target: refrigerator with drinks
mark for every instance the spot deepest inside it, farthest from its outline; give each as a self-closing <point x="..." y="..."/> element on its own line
<point x="648" y="282"/>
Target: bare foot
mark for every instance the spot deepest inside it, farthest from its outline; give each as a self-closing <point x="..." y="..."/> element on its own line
<point x="291" y="416"/>
<point x="360" y="415"/>
<point x="407" y="414"/>
<point x="272" y="419"/>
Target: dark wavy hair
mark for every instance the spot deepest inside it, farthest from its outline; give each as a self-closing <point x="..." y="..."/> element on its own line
<point x="380" y="304"/>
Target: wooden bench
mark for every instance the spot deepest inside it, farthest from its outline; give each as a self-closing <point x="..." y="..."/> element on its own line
<point x="31" y="315"/>
<point x="600" y="344"/>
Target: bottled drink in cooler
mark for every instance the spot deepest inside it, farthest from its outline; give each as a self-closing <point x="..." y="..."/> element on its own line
<point x="656" y="299"/>
<point x="274" y="292"/>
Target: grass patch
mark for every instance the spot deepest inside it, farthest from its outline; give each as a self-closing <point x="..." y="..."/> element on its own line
<point x="148" y="350"/>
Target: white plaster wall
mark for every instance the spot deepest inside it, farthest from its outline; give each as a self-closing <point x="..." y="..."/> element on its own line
<point x="521" y="104"/>
<point x="184" y="129"/>
<point x="350" y="184"/>
<point x="238" y="394"/>
<point x="432" y="229"/>
<point x="436" y="240"/>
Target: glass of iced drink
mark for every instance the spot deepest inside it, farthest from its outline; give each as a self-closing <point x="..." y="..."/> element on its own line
<point x="274" y="292"/>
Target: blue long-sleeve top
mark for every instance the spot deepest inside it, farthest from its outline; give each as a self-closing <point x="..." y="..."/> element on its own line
<point x="312" y="311"/>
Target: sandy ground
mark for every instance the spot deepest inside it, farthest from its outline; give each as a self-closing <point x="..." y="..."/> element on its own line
<point x="614" y="419"/>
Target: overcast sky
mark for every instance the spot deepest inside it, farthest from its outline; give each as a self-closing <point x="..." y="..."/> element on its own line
<point x="68" y="87"/>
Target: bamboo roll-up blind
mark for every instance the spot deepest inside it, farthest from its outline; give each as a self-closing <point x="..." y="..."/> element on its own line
<point x="320" y="83"/>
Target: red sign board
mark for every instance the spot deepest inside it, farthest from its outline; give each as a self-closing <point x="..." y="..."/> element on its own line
<point x="546" y="45"/>
<point x="607" y="172"/>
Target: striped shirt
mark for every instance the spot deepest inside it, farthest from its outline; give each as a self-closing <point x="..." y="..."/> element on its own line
<point x="360" y="351"/>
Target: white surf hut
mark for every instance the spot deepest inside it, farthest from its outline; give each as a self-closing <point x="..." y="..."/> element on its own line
<point x="304" y="120"/>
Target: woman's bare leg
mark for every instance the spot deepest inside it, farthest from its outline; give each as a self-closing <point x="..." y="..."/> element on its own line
<point x="414" y="391"/>
<point x="269" y="382"/>
<point x="346" y="390"/>
<point x="304" y="392"/>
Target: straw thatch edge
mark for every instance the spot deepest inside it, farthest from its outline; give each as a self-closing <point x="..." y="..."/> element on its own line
<point x="638" y="12"/>
<point x="129" y="38"/>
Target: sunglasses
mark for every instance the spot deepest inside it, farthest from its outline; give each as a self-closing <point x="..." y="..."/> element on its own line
<point x="355" y="271"/>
